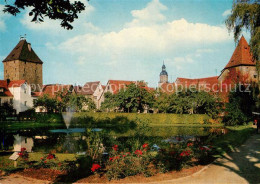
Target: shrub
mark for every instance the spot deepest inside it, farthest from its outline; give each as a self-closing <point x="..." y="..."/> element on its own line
<point x="125" y="164"/>
<point x="173" y="157"/>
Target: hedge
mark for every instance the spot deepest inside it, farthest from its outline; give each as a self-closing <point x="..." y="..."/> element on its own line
<point x="151" y="119"/>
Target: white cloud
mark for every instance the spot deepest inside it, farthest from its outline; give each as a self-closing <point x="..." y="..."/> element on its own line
<point x="226" y="13"/>
<point x="3" y="17"/>
<point x="51" y="26"/>
<point x="148" y="38"/>
<point x="151" y="14"/>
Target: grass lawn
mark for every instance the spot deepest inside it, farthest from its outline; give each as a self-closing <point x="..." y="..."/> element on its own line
<point x="236" y="136"/>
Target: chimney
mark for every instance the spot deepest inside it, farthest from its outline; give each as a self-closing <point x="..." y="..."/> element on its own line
<point x="29" y="47"/>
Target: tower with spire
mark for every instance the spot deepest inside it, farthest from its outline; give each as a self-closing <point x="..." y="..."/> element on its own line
<point x="241" y="66"/>
<point x="163" y="75"/>
<point x="23" y="64"/>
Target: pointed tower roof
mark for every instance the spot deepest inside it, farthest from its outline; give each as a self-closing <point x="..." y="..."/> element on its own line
<point x="23" y="52"/>
<point x="241" y="55"/>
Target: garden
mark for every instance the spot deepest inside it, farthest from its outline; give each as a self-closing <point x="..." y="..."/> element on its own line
<point x="117" y="147"/>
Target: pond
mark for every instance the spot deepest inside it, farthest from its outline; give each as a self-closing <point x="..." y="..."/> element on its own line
<point x="78" y="137"/>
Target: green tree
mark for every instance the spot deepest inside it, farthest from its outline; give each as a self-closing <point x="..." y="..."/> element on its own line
<point x="135" y="98"/>
<point x="246" y="14"/>
<point x="240" y="106"/>
<point x="110" y="103"/>
<point x="50" y="104"/>
<point x="78" y="102"/>
<point x="64" y="10"/>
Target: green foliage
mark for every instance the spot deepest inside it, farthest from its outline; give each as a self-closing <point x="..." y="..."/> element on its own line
<point x="241" y="104"/>
<point x="79" y="102"/>
<point x="135" y="98"/>
<point x="50" y="104"/>
<point x="110" y="103"/>
<point x="235" y="137"/>
<point x="246" y="14"/>
<point x="188" y="102"/>
<point x="173" y="157"/>
<point x="123" y="164"/>
<point x="66" y="11"/>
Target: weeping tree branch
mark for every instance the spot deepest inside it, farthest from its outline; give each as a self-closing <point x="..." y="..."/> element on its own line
<point x="246" y="14"/>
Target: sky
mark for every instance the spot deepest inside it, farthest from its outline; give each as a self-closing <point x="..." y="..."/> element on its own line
<point x="127" y="40"/>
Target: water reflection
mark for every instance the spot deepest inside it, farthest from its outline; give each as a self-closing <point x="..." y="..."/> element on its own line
<point x="76" y="139"/>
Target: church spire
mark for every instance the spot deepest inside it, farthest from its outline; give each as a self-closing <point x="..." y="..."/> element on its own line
<point x="163" y="74"/>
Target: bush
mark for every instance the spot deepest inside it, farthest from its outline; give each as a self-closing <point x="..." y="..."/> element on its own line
<point x="173" y="157"/>
<point x="123" y="164"/>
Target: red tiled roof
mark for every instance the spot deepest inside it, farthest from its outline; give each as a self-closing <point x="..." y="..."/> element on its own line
<point x="241" y="55"/>
<point x="89" y="88"/>
<point x="36" y="94"/>
<point x="208" y="80"/>
<point x="22" y="52"/>
<point x="52" y="89"/>
<point x="103" y="87"/>
<point x="5" y="85"/>
<point x="16" y="83"/>
<point x="117" y="85"/>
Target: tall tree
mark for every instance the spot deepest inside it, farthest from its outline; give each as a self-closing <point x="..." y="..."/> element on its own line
<point x="246" y="14"/>
<point x="64" y="10"/>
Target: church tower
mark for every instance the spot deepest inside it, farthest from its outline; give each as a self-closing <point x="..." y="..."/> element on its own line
<point x="23" y="64"/>
<point x="163" y="75"/>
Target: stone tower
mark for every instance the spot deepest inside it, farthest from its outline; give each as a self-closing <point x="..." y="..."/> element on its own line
<point x="163" y="75"/>
<point x="24" y="64"/>
<point x="241" y="66"/>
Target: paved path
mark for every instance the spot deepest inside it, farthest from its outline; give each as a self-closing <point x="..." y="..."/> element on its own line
<point x="239" y="167"/>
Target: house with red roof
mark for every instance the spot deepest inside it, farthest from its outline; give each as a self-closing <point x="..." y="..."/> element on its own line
<point x="93" y="90"/>
<point x="16" y="93"/>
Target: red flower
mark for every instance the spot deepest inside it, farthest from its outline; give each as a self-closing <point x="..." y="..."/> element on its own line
<point x="50" y="156"/>
<point x="95" y="167"/>
<point x="145" y="145"/>
<point x="42" y="158"/>
<point x="115" y="147"/>
<point x="189" y="144"/>
<point x="128" y="153"/>
<point x="111" y="158"/>
<point x="124" y="155"/>
<point x="59" y="164"/>
<point x="45" y="161"/>
<point x="138" y="152"/>
<point x="23" y="149"/>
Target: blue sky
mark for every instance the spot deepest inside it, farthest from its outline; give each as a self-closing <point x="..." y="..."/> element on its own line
<point x="128" y="40"/>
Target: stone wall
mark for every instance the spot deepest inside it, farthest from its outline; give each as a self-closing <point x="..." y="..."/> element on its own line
<point x="21" y="70"/>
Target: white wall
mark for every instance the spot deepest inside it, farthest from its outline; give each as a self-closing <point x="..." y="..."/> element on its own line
<point x="97" y="95"/>
<point x="21" y="95"/>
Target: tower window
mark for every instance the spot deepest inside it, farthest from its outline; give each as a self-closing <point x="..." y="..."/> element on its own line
<point x="25" y="103"/>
